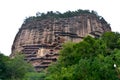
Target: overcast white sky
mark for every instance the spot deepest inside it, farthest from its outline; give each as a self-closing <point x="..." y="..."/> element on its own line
<point x="13" y="13"/>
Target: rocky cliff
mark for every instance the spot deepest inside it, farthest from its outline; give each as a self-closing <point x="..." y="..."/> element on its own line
<point x="38" y="38"/>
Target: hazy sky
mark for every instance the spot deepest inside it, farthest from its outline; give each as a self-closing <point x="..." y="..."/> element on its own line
<point x="13" y="13"/>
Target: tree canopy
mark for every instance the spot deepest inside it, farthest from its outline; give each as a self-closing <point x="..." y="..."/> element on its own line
<point x="90" y="59"/>
<point x="57" y="14"/>
<point x="14" y="69"/>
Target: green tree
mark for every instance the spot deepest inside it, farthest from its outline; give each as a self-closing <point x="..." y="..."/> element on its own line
<point x="3" y="71"/>
<point x="91" y="59"/>
<point x="34" y="76"/>
<point x="17" y="68"/>
<point x="112" y="39"/>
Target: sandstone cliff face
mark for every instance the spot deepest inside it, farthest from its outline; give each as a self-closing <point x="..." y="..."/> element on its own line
<point x="39" y="38"/>
<point x="45" y="31"/>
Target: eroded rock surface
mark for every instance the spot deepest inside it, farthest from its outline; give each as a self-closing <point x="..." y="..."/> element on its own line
<point x="40" y="39"/>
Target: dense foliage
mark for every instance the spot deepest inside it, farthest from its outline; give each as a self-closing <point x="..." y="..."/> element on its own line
<point x="91" y="59"/>
<point x="56" y="15"/>
<point x="3" y="67"/>
<point x="14" y="69"/>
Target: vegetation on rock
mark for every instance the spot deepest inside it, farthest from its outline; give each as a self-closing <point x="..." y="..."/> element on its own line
<point x="57" y="14"/>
